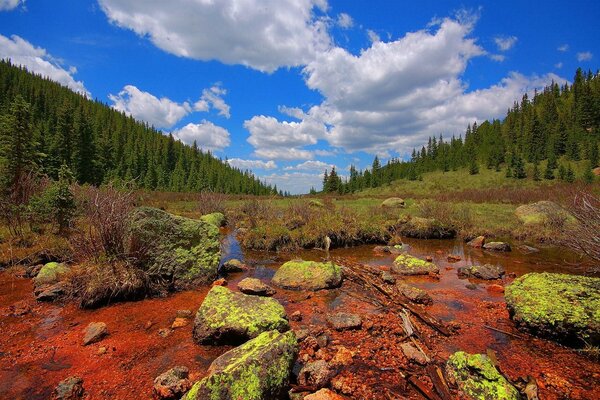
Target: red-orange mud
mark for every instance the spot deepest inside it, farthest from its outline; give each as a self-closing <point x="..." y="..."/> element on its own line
<point x="42" y="347"/>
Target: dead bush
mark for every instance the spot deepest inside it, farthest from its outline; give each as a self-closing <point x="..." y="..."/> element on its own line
<point x="584" y="236"/>
<point x="210" y="202"/>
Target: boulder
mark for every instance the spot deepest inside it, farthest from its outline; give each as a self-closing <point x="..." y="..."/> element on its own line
<point x="596" y="171"/>
<point x="406" y="264"/>
<point x="393" y="202"/>
<point x="478" y="379"/>
<point x="257" y="370"/>
<point x="414" y="294"/>
<point x="256" y="287"/>
<point x="324" y="394"/>
<point x="344" y="321"/>
<point x="172" y="384"/>
<point x="50" y="273"/>
<point x="497" y="246"/>
<point x="69" y="389"/>
<point x="563" y="307"/>
<point x="477" y="243"/>
<point x="233" y="265"/>
<point x="94" y="332"/>
<point x="316" y="374"/>
<point x="538" y="213"/>
<point x="226" y="317"/>
<point x="426" y="228"/>
<point x="486" y="272"/>
<point x="217" y="219"/>
<point x="308" y="275"/>
<point x="50" y="292"/>
<point x="174" y="247"/>
<point x="395" y="249"/>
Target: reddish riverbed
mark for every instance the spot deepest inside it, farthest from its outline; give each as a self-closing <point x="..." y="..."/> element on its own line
<point x="43" y="346"/>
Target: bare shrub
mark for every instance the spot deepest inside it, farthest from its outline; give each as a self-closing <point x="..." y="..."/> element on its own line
<point x="584" y="236"/>
<point x="210" y="202"/>
<point x="13" y="204"/>
<point x="457" y="216"/>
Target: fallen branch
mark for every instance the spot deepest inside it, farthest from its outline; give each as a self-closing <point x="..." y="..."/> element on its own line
<point x="423" y="388"/>
<point x="505" y="332"/>
<point x="439" y="382"/>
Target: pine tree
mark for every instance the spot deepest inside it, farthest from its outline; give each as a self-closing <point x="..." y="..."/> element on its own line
<point x="549" y="171"/>
<point x="588" y="175"/>
<point x="536" y="172"/>
<point x="593" y="154"/>
<point x="562" y="172"/>
<point x="519" y="168"/>
<point x="473" y="167"/>
<point x="570" y="174"/>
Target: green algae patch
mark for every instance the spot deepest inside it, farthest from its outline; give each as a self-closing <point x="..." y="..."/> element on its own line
<point x="478" y="378"/>
<point x="562" y="307"/>
<point x="257" y="370"/>
<point x="227" y="317"/>
<point x="308" y="275"/>
<point x="217" y="219"/>
<point x="50" y="273"/>
<point x="406" y="264"/>
<point x="172" y="247"/>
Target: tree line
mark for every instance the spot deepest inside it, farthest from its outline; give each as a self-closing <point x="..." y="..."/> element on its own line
<point x="558" y="125"/>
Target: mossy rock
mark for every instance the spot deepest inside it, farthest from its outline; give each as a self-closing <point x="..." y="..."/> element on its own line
<point x="478" y="379"/>
<point x="227" y="317"/>
<point x="563" y="307"/>
<point x="173" y="247"/>
<point x="316" y="203"/>
<point x="406" y="264"/>
<point x="217" y="219"/>
<point x="425" y="228"/>
<point x="50" y="273"/>
<point x="393" y="202"/>
<point x="308" y="275"/>
<point x="540" y="212"/>
<point x="257" y="370"/>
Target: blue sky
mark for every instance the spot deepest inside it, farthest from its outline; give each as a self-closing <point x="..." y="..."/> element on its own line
<point x="288" y="88"/>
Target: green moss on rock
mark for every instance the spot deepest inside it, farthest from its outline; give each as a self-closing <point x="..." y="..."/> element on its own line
<point x="257" y="370"/>
<point x="50" y="273"/>
<point x="227" y="317"/>
<point x="563" y="307"/>
<point x="217" y="219"/>
<point x="478" y="378"/>
<point x="540" y="212"/>
<point x="406" y="264"/>
<point x="308" y="275"/>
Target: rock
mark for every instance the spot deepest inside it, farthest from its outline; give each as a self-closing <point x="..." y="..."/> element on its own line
<point x="220" y="282"/>
<point x="596" y="171"/>
<point x="101" y="350"/>
<point x="414" y="294"/>
<point x="20" y="308"/>
<point x="497" y="246"/>
<point x="256" y="287"/>
<point x="257" y="370"/>
<point x="308" y="275"/>
<point x="323" y="340"/>
<point x="179" y="323"/>
<point x="527" y="249"/>
<point x="184" y="314"/>
<point x="540" y="212"/>
<point x="425" y="228"/>
<point x="324" y="394"/>
<point x="164" y="332"/>
<point x="302" y="334"/>
<point x="405" y="264"/>
<point x="343" y="357"/>
<point x="478" y="379"/>
<point x="454" y="258"/>
<point x="471" y="286"/>
<point x="395" y="249"/>
<point x="414" y="354"/>
<point x="429" y="258"/>
<point x="393" y="202"/>
<point x="175" y="247"/>
<point x="50" y="292"/>
<point x="478" y="242"/>
<point x="217" y="219"/>
<point x="495" y="288"/>
<point x="233" y="265"/>
<point x="344" y="321"/>
<point x="485" y="272"/>
<point x="296" y="316"/>
<point x="381" y="249"/>
<point x="387" y="277"/>
<point x="50" y="273"/>
<point x="226" y="317"/>
<point x="562" y="307"/>
<point x="95" y="332"/>
<point x="69" y="389"/>
<point x="33" y="270"/>
<point x="316" y="374"/>
<point x="172" y="384"/>
<point x="316" y="203"/>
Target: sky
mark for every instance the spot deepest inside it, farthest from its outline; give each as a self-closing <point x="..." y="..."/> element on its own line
<point x="290" y="88"/>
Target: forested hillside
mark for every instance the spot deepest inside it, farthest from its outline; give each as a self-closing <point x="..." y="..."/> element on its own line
<point x="45" y="125"/>
<point x="557" y="126"/>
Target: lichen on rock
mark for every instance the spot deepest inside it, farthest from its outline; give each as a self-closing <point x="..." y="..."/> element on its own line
<point x="217" y="219"/>
<point x="308" y="275"/>
<point x="406" y="264"/>
<point x="50" y="273"/>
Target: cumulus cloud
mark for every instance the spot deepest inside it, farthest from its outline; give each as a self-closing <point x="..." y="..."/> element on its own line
<point x="294" y="182"/>
<point x="161" y="113"/>
<point x="563" y="47"/>
<point x="505" y="43"/>
<point x="7" y="5"/>
<point x="251" y="164"/>
<point x="207" y="135"/>
<point x="345" y="21"/>
<point x="373" y="36"/>
<point x="584" y="56"/>
<point x="36" y="59"/>
<point x="310" y="165"/>
<point x="558" y="65"/>
<point x="213" y="97"/>
<point x="261" y="34"/>
<point x="498" y="57"/>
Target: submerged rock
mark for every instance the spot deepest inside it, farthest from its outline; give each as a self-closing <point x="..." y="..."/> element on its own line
<point x="257" y="370"/>
<point x="497" y="246"/>
<point x="426" y="228"/>
<point x="172" y="384"/>
<point x="217" y="219"/>
<point x="256" y="287"/>
<point x="95" y="332"/>
<point x="486" y="272"/>
<point x="540" y="212"/>
<point x="406" y="264"/>
<point x="344" y="321"/>
<point x="233" y="265"/>
<point x="50" y="273"/>
<point x="478" y="379"/>
<point x="226" y="317"/>
<point x="393" y="202"/>
<point x="69" y="389"/>
<point x="414" y="294"/>
<point x="308" y="275"/>
<point x="174" y="247"/>
<point x="563" y="307"/>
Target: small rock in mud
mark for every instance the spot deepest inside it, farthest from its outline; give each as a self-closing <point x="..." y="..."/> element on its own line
<point x="296" y="316"/>
<point x="454" y="258"/>
<point x="69" y="389"/>
<point x="387" y="277"/>
<point x="50" y="292"/>
<point x="316" y="374"/>
<point x="148" y="325"/>
<point x="324" y="394"/>
<point x="343" y="357"/>
<point x="172" y="384"/>
<point x="164" y="332"/>
<point x="414" y="354"/>
<point x="20" y="308"/>
<point x="179" y="323"/>
<point x="414" y="294"/>
<point x="184" y="314"/>
<point x="485" y="272"/>
<point x="344" y="321"/>
<point x="101" y="350"/>
<point x="477" y="243"/>
<point x="95" y="332"/>
<point x="429" y="258"/>
<point x="323" y="340"/>
<point x="302" y="334"/>
<point x="471" y="286"/>
<point x="495" y="288"/>
<point x="256" y="287"/>
<point x="497" y="246"/>
<point x="220" y="282"/>
<point x="33" y="270"/>
<point x="234" y="265"/>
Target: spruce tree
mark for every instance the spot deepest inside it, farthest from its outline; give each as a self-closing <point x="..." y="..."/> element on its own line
<point x="473" y="167"/>
<point x="519" y="168"/>
<point x="548" y="172"/>
<point x="588" y="175"/>
<point x="570" y="174"/>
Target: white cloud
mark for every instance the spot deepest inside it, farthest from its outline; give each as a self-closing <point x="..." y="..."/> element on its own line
<point x="558" y="65"/>
<point x="310" y="165"/>
<point x="37" y="60"/>
<point x="563" y="47"/>
<point x="207" y="135"/>
<point x="373" y="36"/>
<point x="498" y="57"/>
<point x="294" y="182"/>
<point x="505" y="43"/>
<point x="584" y="56"/>
<point x="213" y="97"/>
<point x="345" y="21"/>
<point x="7" y="5"/>
<point x="251" y="164"/>
<point x="162" y="113"/>
<point x="261" y="34"/>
